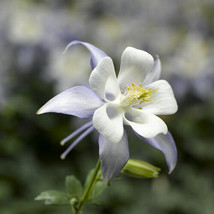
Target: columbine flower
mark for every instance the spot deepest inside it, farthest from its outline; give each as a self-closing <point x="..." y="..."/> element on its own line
<point x="134" y="98"/>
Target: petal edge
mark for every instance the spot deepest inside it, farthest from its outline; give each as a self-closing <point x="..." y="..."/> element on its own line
<point x="113" y="157"/>
<point x="145" y="124"/>
<point x="135" y="65"/>
<point x="166" y="144"/>
<point x="79" y="101"/>
<point x="155" y="73"/>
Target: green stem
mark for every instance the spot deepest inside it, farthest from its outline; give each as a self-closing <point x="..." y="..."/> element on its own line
<point x="89" y="188"/>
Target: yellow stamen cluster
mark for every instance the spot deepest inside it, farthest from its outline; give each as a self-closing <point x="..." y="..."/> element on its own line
<point x="135" y="95"/>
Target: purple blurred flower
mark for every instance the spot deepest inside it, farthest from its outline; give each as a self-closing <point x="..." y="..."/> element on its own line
<point x="133" y="98"/>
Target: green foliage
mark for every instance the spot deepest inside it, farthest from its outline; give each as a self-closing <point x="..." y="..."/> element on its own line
<point x="73" y="186"/>
<point x="88" y="178"/>
<point x="98" y="188"/>
<point x="70" y="197"/>
<point x="74" y="191"/>
<point x="53" y="197"/>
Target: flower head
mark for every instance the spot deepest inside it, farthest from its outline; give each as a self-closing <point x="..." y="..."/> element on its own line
<point x="134" y="98"/>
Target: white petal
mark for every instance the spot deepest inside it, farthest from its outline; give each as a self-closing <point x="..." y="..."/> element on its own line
<point x="163" y="101"/>
<point x="103" y="80"/>
<point x="135" y="64"/>
<point x="154" y="74"/>
<point x="145" y="124"/>
<point x="108" y="120"/>
<point x="78" y="101"/>
<point x="113" y="157"/>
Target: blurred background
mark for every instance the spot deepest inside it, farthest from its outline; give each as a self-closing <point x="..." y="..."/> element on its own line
<point x="33" y="69"/>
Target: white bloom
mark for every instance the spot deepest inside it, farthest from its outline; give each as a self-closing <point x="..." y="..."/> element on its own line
<point x="134" y="98"/>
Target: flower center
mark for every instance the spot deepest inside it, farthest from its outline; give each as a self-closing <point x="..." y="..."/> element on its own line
<point x="135" y="95"/>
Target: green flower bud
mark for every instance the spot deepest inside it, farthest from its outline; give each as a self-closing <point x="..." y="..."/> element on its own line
<point x="140" y="169"/>
<point x="74" y="201"/>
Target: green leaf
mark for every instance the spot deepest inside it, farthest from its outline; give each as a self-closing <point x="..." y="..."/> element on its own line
<point x="53" y="197"/>
<point x="98" y="189"/>
<point x="88" y="178"/>
<point x="73" y="186"/>
<point x="95" y="202"/>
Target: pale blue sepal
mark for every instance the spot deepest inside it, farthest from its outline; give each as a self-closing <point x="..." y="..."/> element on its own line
<point x="166" y="144"/>
<point x="96" y="53"/>
<point x="113" y="157"/>
<point x="79" y="101"/>
<point x="154" y="74"/>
